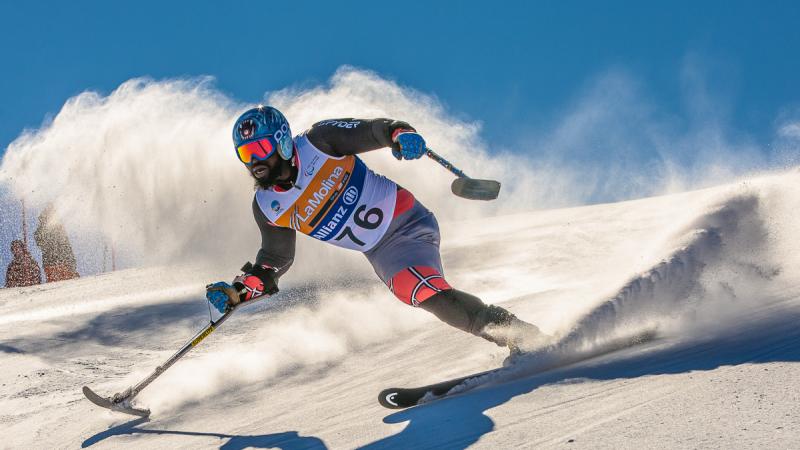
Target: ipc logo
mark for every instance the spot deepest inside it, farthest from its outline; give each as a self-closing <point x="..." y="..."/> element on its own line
<point x="350" y="195"/>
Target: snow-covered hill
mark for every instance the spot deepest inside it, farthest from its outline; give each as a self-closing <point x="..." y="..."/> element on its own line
<point x="713" y="273"/>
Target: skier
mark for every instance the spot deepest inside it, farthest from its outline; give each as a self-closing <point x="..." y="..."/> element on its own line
<point x="315" y="184"/>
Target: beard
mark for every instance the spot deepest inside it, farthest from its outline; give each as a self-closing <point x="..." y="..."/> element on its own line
<point x="266" y="182"/>
<point x="272" y="177"/>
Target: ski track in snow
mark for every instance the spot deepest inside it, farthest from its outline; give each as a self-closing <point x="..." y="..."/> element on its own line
<point x="715" y="297"/>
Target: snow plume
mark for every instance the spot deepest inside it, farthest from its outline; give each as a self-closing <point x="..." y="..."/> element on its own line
<point x="614" y="141"/>
<point x="667" y="289"/>
<point x="139" y="166"/>
<point x="722" y="265"/>
<point x="361" y="93"/>
<point x="150" y="167"/>
<point x="726" y="269"/>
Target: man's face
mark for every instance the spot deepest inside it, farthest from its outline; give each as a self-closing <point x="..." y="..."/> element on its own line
<point x="271" y="170"/>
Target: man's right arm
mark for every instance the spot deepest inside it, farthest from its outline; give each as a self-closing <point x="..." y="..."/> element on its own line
<point x="277" y="244"/>
<point x="273" y="260"/>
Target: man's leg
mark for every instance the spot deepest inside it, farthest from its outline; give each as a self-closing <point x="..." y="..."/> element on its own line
<point x="407" y="259"/>
<point x="468" y="313"/>
<point x="426" y="288"/>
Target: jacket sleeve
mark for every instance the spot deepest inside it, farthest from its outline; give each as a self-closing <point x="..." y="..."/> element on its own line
<point x="342" y="137"/>
<point x="277" y="243"/>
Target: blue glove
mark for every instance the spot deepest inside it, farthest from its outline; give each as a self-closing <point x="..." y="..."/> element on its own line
<point x="222" y="296"/>
<point x="408" y="145"/>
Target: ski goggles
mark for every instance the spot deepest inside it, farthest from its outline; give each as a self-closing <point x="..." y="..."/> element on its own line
<point x="257" y="150"/>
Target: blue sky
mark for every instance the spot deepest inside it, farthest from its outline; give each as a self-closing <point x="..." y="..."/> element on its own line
<point x="511" y="65"/>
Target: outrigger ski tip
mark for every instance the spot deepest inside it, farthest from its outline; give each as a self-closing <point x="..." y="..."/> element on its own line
<point x="474" y="189"/>
<point x="123" y="406"/>
<point x="121" y="402"/>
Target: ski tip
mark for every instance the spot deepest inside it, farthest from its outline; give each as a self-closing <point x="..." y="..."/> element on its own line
<point x="92" y="396"/>
<point x="388" y="399"/>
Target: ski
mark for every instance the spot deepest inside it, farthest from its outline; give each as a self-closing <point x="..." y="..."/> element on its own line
<point x="400" y="398"/>
<point x="123" y="406"/>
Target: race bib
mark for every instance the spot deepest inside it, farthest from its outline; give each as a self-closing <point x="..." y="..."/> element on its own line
<point x="336" y="200"/>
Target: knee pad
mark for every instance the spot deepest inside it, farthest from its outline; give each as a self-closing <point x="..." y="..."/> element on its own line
<point x="415" y="285"/>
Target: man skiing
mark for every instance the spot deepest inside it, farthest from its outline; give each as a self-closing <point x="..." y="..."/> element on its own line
<point x="315" y="184"/>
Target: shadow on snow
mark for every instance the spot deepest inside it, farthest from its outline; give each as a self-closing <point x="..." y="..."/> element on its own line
<point x="289" y="440"/>
<point x="459" y="421"/>
<point x="130" y="326"/>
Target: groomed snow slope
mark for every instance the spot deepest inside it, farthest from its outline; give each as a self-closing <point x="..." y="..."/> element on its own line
<point x="713" y="273"/>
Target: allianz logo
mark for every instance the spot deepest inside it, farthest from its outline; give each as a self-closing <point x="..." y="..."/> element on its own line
<point x="350" y="195"/>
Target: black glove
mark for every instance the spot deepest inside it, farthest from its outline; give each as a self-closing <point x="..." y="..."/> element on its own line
<point x="256" y="281"/>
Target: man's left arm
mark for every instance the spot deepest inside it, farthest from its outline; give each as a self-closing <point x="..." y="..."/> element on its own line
<point x="342" y="137"/>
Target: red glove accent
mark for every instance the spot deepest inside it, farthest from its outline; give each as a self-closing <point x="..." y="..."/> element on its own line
<point x="253" y="287"/>
<point x="398" y="131"/>
<point x="257" y="281"/>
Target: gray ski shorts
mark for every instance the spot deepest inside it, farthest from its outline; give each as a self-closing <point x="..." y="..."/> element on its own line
<point x="407" y="258"/>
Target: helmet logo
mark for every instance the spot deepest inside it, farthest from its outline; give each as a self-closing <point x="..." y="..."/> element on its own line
<point x="247" y="128"/>
<point x="282" y="132"/>
<point x="281" y="135"/>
